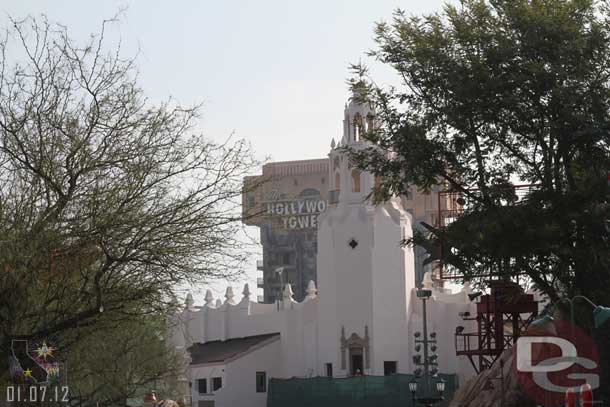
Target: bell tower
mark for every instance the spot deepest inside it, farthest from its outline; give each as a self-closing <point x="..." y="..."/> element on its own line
<point x="364" y="274"/>
<point x="347" y="183"/>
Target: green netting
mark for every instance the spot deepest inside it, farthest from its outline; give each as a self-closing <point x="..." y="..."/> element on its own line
<point x="360" y="391"/>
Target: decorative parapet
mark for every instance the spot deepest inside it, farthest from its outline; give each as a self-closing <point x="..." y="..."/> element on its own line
<point x="229" y="295"/>
<point x="209" y="299"/>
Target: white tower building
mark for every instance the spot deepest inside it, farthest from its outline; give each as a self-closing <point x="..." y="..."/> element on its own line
<point x="362" y="320"/>
<point x="364" y="275"/>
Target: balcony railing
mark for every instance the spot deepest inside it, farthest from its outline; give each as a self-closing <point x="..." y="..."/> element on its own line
<point x="260" y="282"/>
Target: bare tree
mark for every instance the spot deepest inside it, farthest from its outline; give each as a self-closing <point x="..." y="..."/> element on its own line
<point x="107" y="202"/>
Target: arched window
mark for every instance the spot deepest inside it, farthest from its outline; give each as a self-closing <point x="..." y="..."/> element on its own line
<point x="337" y="181"/>
<point x="355" y="181"/>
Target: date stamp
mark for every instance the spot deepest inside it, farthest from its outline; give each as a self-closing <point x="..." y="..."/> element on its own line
<point x="22" y="395"/>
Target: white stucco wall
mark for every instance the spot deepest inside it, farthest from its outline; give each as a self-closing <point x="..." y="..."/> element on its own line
<point x="239" y="377"/>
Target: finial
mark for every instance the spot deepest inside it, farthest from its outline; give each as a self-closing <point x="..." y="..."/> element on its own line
<point x="209" y="297"/>
<point x="189" y="301"/>
<point x="288" y="292"/>
<point x="229" y="296"/>
<point x="218" y="303"/>
<point x="246" y="291"/>
<point x="332" y="143"/>
<point x="312" y="291"/>
<point x="427" y="280"/>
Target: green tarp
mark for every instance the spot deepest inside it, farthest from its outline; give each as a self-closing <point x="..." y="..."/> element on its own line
<point x="359" y="391"/>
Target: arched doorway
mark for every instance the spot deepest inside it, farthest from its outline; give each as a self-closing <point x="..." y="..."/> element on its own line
<point x="355" y="356"/>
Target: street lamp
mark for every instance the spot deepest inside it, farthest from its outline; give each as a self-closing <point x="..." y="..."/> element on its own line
<point x="413" y="386"/>
<point x="429" y="362"/>
<point x="280" y="272"/>
<point x="440" y="386"/>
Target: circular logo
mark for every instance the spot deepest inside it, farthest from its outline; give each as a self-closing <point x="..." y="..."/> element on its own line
<point x="552" y="358"/>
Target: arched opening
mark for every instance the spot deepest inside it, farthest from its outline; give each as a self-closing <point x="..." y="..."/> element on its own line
<point x="358" y="127"/>
<point x="355" y="180"/>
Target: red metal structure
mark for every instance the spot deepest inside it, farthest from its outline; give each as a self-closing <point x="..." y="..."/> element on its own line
<point x="451" y="205"/>
<point x="502" y="317"/>
<point x="503" y="314"/>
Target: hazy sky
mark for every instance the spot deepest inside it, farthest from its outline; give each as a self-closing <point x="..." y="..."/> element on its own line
<point x="273" y="71"/>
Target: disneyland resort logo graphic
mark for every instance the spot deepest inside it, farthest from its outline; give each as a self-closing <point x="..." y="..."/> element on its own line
<point x="556" y="359"/>
<point x="35" y="372"/>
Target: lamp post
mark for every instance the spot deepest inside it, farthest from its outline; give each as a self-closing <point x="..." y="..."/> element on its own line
<point x="427" y="401"/>
<point x="429" y="363"/>
<point x="280" y="272"/>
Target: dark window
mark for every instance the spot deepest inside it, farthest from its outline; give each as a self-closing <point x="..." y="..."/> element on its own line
<point x="323" y="180"/>
<point x="202" y="386"/>
<point x="286" y="258"/>
<point x="251" y="201"/>
<point x="216" y="383"/>
<point x="389" y="368"/>
<point x="261" y="382"/>
<point x="329" y="369"/>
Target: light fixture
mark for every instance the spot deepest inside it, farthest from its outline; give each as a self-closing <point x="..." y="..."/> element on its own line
<point x="433" y="358"/>
<point x="433" y="335"/>
<point x="440" y="386"/>
<point x="417" y="359"/>
<point x="417" y="348"/>
<point x="433" y="348"/>
<point x="434" y="371"/>
<point x="413" y="386"/>
<point x="417" y="372"/>
<point x="417" y="334"/>
<point x="424" y="293"/>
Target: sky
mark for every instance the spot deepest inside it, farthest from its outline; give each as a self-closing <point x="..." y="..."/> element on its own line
<point x="271" y="71"/>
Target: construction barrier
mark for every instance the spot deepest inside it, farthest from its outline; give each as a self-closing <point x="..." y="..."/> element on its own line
<point x="358" y="391"/>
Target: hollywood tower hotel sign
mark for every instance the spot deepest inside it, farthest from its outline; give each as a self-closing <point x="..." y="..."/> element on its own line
<point x="297" y="214"/>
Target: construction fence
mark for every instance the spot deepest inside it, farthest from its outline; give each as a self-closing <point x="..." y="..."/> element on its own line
<point x="358" y="391"/>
